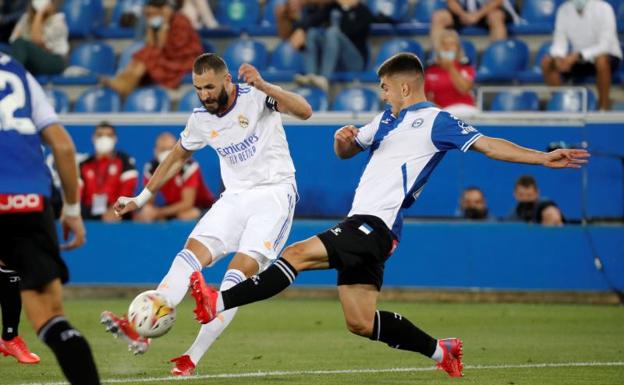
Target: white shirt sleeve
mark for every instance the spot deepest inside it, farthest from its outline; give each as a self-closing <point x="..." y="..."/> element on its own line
<point x="43" y="114"/>
<point x="366" y="134"/>
<point x="559" y="47"/>
<point x="191" y="138"/>
<point x="608" y="32"/>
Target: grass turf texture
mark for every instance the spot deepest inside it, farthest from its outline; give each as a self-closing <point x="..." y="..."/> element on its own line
<point x="309" y="335"/>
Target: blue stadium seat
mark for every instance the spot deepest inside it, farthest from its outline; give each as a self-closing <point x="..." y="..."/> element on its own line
<point x="147" y="99"/>
<point x="246" y="51"/>
<point x="114" y="29"/>
<point x="394" y="46"/>
<point x="4" y="47"/>
<point x="395" y="9"/>
<point x="98" y="100"/>
<point x="538" y="16"/>
<point x="97" y="57"/>
<point x="126" y="54"/>
<point x="83" y="16"/>
<point x="285" y="63"/>
<point x="58" y="99"/>
<point x="571" y="101"/>
<point x="268" y="13"/>
<point x="425" y="8"/>
<point x="189" y="101"/>
<point x="618" y="9"/>
<point x="239" y="14"/>
<point x="515" y="101"/>
<point x="356" y="99"/>
<point x="534" y="74"/>
<point x="503" y="60"/>
<point x="315" y="96"/>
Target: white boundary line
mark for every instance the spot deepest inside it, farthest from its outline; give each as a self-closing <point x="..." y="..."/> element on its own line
<point x="344" y="371"/>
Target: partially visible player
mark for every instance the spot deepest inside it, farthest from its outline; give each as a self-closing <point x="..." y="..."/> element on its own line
<point x="405" y="143"/>
<point x="29" y="242"/>
<point x="242" y="123"/>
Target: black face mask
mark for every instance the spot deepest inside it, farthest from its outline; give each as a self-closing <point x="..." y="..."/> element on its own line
<point x="526" y="211"/>
<point x="222" y="101"/>
<point x="472" y="213"/>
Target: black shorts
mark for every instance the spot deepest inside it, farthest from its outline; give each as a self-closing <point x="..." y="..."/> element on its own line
<point x="358" y="248"/>
<point x="582" y="69"/>
<point x="458" y="26"/>
<point x="30" y="247"/>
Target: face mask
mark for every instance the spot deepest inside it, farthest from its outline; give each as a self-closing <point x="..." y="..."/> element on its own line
<point x="156" y="22"/>
<point x="162" y="155"/>
<point x="104" y="145"/>
<point x="38" y="5"/>
<point x="472" y="213"/>
<point x="447" y="55"/>
<point x="526" y="211"/>
<point x="579" y="4"/>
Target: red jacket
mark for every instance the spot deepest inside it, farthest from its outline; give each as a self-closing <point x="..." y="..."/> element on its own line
<point x="439" y="87"/>
<point x="189" y="176"/>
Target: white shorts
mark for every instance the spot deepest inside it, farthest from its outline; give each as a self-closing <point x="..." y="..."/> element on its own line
<point x="255" y="222"/>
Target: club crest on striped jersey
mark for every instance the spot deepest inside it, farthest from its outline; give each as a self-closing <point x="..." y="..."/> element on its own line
<point x="417" y="123"/>
<point x="243" y="121"/>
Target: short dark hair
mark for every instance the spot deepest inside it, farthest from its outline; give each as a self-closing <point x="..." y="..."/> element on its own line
<point x="526" y="181"/>
<point x="209" y="61"/>
<point x="402" y="62"/>
<point x="105" y="124"/>
<point x="472" y="188"/>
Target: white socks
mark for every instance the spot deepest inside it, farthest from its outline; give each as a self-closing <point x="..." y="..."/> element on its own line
<point x="209" y="332"/>
<point x="176" y="283"/>
<point x="438" y="355"/>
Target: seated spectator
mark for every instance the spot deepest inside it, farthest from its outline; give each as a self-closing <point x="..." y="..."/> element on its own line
<point x="199" y="13"/>
<point x="335" y="39"/>
<point x="585" y="43"/>
<point x="183" y="197"/>
<point x="10" y="12"/>
<point x="490" y="14"/>
<point x="40" y="38"/>
<point x="290" y="13"/>
<point x="548" y="214"/>
<point x="473" y="204"/>
<point x="529" y="207"/>
<point x="449" y="80"/>
<point x="171" y="46"/>
<point x="105" y="176"/>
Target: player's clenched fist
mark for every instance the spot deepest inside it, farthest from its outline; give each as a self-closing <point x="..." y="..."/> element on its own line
<point x="125" y="205"/>
<point x="346" y="134"/>
<point x="250" y="75"/>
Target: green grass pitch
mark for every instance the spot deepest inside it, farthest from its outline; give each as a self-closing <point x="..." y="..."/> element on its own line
<point x="294" y="341"/>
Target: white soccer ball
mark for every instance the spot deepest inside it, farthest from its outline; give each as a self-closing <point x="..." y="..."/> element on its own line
<point x="151" y="314"/>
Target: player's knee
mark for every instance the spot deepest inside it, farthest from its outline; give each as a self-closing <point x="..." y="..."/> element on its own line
<point x="296" y="255"/>
<point x="359" y="327"/>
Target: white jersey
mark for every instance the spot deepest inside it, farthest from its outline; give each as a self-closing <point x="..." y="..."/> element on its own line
<point x="249" y="138"/>
<point x="403" y="151"/>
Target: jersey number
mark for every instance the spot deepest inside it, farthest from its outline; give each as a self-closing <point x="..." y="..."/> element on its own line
<point x="12" y="98"/>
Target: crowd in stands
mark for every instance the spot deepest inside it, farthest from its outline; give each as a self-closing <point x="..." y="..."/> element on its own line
<point x="325" y="44"/>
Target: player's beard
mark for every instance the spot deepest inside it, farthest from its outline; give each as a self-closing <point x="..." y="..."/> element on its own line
<point x="222" y="101"/>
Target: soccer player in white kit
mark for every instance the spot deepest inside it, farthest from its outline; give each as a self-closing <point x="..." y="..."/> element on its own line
<point x="242" y="123"/>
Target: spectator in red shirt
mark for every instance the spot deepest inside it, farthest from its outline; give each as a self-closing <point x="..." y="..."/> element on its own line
<point x="449" y="81"/>
<point x="105" y="176"/>
<point x="184" y="196"/>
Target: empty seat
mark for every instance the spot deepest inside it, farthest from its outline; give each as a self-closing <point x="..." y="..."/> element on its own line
<point x="285" y="58"/>
<point x="268" y="13"/>
<point x="147" y="99"/>
<point x="83" y="16"/>
<point x="98" y="100"/>
<point x="539" y="11"/>
<point x="356" y="99"/>
<point x="515" y="101"/>
<point x="58" y="99"/>
<point x="503" y="60"/>
<point x="534" y="74"/>
<point x="239" y="14"/>
<point x="246" y="51"/>
<point x="189" y="101"/>
<point x="395" y="9"/>
<point x="571" y="101"/>
<point x="394" y="46"/>
<point x="315" y="96"/>
<point x="97" y="57"/>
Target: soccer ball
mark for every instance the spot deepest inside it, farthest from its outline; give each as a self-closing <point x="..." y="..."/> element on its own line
<point x="151" y="314"/>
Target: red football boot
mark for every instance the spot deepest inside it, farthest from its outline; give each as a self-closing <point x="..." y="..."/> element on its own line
<point x="120" y="327"/>
<point x="205" y="298"/>
<point x="18" y="349"/>
<point x="452" y="359"/>
<point x="183" y="366"/>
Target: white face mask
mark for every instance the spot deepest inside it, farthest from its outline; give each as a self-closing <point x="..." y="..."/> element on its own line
<point x="104" y="145"/>
<point x="162" y="155"/>
<point x="40" y="4"/>
<point x="579" y="4"/>
<point x="447" y="55"/>
<point x="156" y="22"/>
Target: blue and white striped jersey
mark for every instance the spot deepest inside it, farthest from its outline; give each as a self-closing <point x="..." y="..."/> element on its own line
<point x="24" y="113"/>
<point x="403" y="152"/>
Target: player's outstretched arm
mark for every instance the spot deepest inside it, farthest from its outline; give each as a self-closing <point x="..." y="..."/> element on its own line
<point x="505" y="150"/>
<point x="287" y="102"/>
<point x="345" y="146"/>
<point x="169" y="167"/>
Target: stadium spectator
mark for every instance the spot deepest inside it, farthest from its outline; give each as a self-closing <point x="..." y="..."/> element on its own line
<point x="449" y="80"/>
<point x="105" y="176"/>
<point x="585" y="43"/>
<point x="335" y="39"/>
<point x="473" y="204"/>
<point x="529" y="206"/>
<point x="185" y="195"/>
<point x="40" y="38"/>
<point x="290" y="13"/>
<point x="171" y="45"/>
<point x="549" y="214"/>
<point x="198" y="12"/>
<point x="10" y="12"/>
<point x="490" y="14"/>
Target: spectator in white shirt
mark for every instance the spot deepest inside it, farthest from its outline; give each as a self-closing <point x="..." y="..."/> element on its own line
<point x="585" y="43"/>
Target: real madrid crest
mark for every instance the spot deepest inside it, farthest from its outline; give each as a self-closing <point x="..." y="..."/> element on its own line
<point x="243" y="121"/>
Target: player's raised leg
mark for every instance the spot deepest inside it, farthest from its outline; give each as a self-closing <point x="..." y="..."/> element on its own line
<point x="359" y="304"/>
